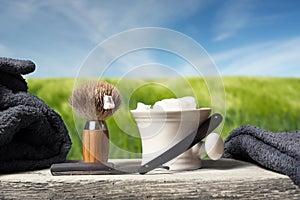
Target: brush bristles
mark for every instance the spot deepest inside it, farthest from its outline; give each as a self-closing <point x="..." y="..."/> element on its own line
<point x="87" y="100"/>
<point x="104" y="88"/>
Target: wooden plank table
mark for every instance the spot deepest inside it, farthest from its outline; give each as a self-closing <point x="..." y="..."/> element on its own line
<point x="223" y="179"/>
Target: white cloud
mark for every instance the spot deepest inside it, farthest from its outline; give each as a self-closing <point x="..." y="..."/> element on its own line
<point x="234" y="16"/>
<point x="96" y="20"/>
<point x="72" y="27"/>
<point x="72" y="23"/>
<point x="277" y="58"/>
<point x="127" y="65"/>
<point x="100" y="19"/>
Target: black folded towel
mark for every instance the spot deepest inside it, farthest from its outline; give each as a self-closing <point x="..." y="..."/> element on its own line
<point x="11" y="70"/>
<point x="32" y="135"/>
<point x="279" y="152"/>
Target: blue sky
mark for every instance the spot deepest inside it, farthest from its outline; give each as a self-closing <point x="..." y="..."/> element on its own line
<point x="243" y="37"/>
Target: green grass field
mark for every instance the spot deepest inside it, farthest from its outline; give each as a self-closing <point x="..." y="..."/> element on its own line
<point x="270" y="103"/>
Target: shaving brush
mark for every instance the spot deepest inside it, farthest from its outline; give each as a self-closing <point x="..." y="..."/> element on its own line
<point x="95" y="102"/>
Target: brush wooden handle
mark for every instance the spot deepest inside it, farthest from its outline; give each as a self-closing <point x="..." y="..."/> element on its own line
<point x="86" y="145"/>
<point x="95" y="144"/>
<point x="99" y="146"/>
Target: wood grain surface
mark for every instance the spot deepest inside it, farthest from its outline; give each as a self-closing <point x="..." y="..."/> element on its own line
<point x="223" y="179"/>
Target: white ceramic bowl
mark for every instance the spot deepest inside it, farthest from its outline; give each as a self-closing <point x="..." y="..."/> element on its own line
<point x="160" y="130"/>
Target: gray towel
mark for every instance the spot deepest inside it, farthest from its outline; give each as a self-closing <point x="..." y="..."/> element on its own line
<point x="279" y="152"/>
<point x="32" y="135"/>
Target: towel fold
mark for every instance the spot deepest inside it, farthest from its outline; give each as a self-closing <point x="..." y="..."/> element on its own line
<point x="11" y="71"/>
<point x="279" y="152"/>
<point x="32" y="135"/>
